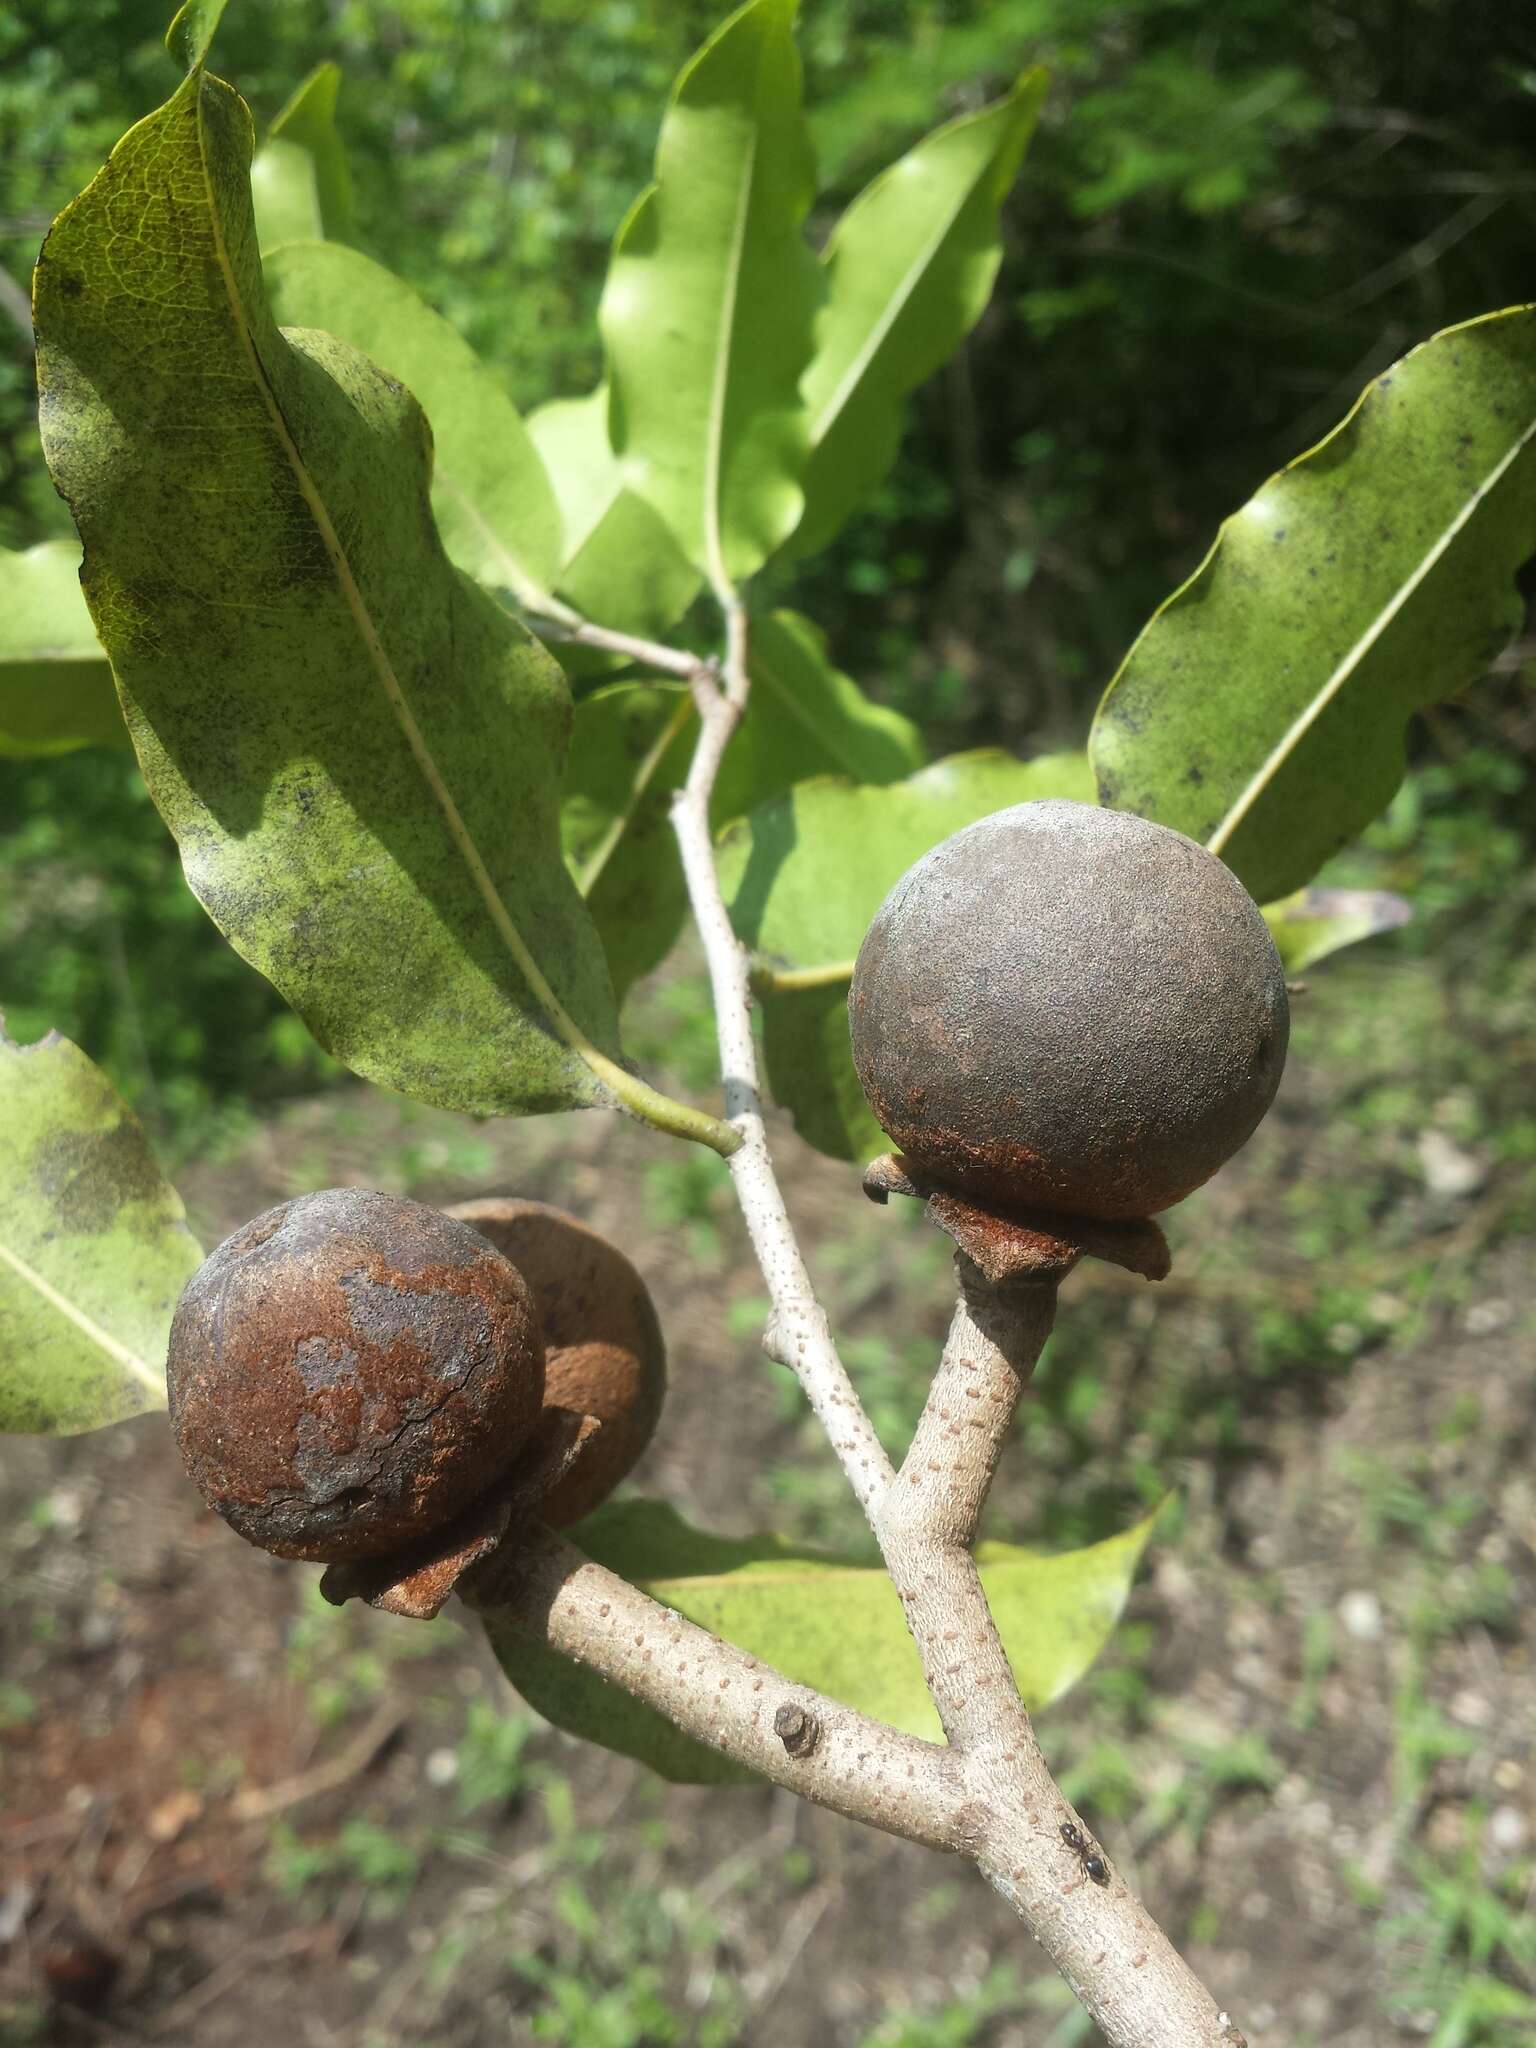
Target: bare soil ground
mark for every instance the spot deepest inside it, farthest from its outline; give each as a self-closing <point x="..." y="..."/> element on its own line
<point x="232" y="1816"/>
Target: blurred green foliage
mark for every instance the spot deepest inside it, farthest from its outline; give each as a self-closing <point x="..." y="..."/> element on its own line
<point x="1230" y="218"/>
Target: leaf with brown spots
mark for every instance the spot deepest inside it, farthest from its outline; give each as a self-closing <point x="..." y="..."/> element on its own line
<point x="358" y="751"/>
<point x="94" y="1247"/>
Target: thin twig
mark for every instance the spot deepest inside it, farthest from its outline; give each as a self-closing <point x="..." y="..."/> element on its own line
<point x="260" y="1802"/>
<point x="988" y="1792"/>
<point x="1122" y="1967"/>
<point x="798" y="1335"/>
<point x="574" y="632"/>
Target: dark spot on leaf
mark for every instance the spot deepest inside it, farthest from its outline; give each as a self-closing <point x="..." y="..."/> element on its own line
<point x="86" y="1177"/>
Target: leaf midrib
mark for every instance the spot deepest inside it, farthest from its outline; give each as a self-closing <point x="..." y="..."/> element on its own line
<point x="715" y="447"/>
<point x="895" y="306"/>
<point x="1300" y="726"/>
<point x="763" y="672"/>
<point x="88" y="1327"/>
<point x="563" y="1023"/>
<point x="592" y="870"/>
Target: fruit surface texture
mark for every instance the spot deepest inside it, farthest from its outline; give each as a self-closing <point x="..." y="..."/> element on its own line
<point x="349" y="1370"/>
<point x="603" y="1349"/>
<point x="1069" y="1009"/>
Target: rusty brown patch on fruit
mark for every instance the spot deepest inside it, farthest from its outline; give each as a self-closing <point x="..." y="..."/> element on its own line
<point x="350" y="1369"/>
<point x="604" y="1355"/>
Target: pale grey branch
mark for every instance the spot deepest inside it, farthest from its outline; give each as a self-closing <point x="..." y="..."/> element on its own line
<point x="722" y="1697"/>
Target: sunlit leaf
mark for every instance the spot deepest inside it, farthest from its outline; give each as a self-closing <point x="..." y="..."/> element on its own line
<point x="492" y="497"/>
<point x="910" y="266"/>
<point x="55" y="685"/>
<point x="707" y="311"/>
<point x="804" y="875"/>
<point x="94" y="1247"/>
<point x="357" y="749"/>
<point x="619" y="564"/>
<point x="300" y="185"/>
<point x="821" y="1621"/>
<point x="1263" y="709"/>
<point x="1313" y="923"/>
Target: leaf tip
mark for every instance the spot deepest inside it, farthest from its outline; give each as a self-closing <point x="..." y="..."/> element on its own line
<point x="191" y="33"/>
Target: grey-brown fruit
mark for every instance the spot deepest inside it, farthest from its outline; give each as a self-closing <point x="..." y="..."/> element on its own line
<point x="1071" y="1009"/>
<point x="349" y="1371"/>
<point x="603" y="1349"/>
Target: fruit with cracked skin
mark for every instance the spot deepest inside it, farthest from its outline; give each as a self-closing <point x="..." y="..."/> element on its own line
<point x="350" y="1371"/>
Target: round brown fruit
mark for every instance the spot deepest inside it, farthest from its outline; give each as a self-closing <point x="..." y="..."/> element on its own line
<point x="1072" y="1009"/>
<point x="603" y="1350"/>
<point x="349" y="1371"/>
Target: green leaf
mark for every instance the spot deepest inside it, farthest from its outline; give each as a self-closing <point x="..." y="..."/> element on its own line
<point x="619" y="564"/>
<point x="192" y="31"/>
<point x="357" y="749"/>
<point x="803" y="877"/>
<point x="55" y="685"/>
<point x="820" y="1620"/>
<point x="630" y="751"/>
<point x="300" y="185"/>
<point x="493" y="500"/>
<point x="94" y="1247"/>
<point x="910" y="267"/>
<point x="711" y="293"/>
<point x="1313" y="923"/>
<point x="804" y="718"/>
<point x="1263" y="708"/>
<point x="808" y="1066"/>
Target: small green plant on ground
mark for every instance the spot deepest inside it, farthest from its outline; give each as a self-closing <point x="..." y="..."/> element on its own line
<point x="457" y="718"/>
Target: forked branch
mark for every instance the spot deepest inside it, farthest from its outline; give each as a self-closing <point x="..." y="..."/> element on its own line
<point x="986" y="1793"/>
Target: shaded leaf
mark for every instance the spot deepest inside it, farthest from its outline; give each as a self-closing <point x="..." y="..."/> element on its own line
<point x="1313" y="923"/>
<point x="707" y="311"/>
<point x="1263" y="708"/>
<point x="821" y="1621"/>
<point x="56" y="688"/>
<point x="808" y="1066"/>
<point x="357" y="749"/>
<point x="300" y="185"/>
<point x="492" y="497"/>
<point x="910" y="266"/>
<point x="619" y="563"/>
<point x="804" y="718"/>
<point x="94" y="1247"/>
<point x="630" y="751"/>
